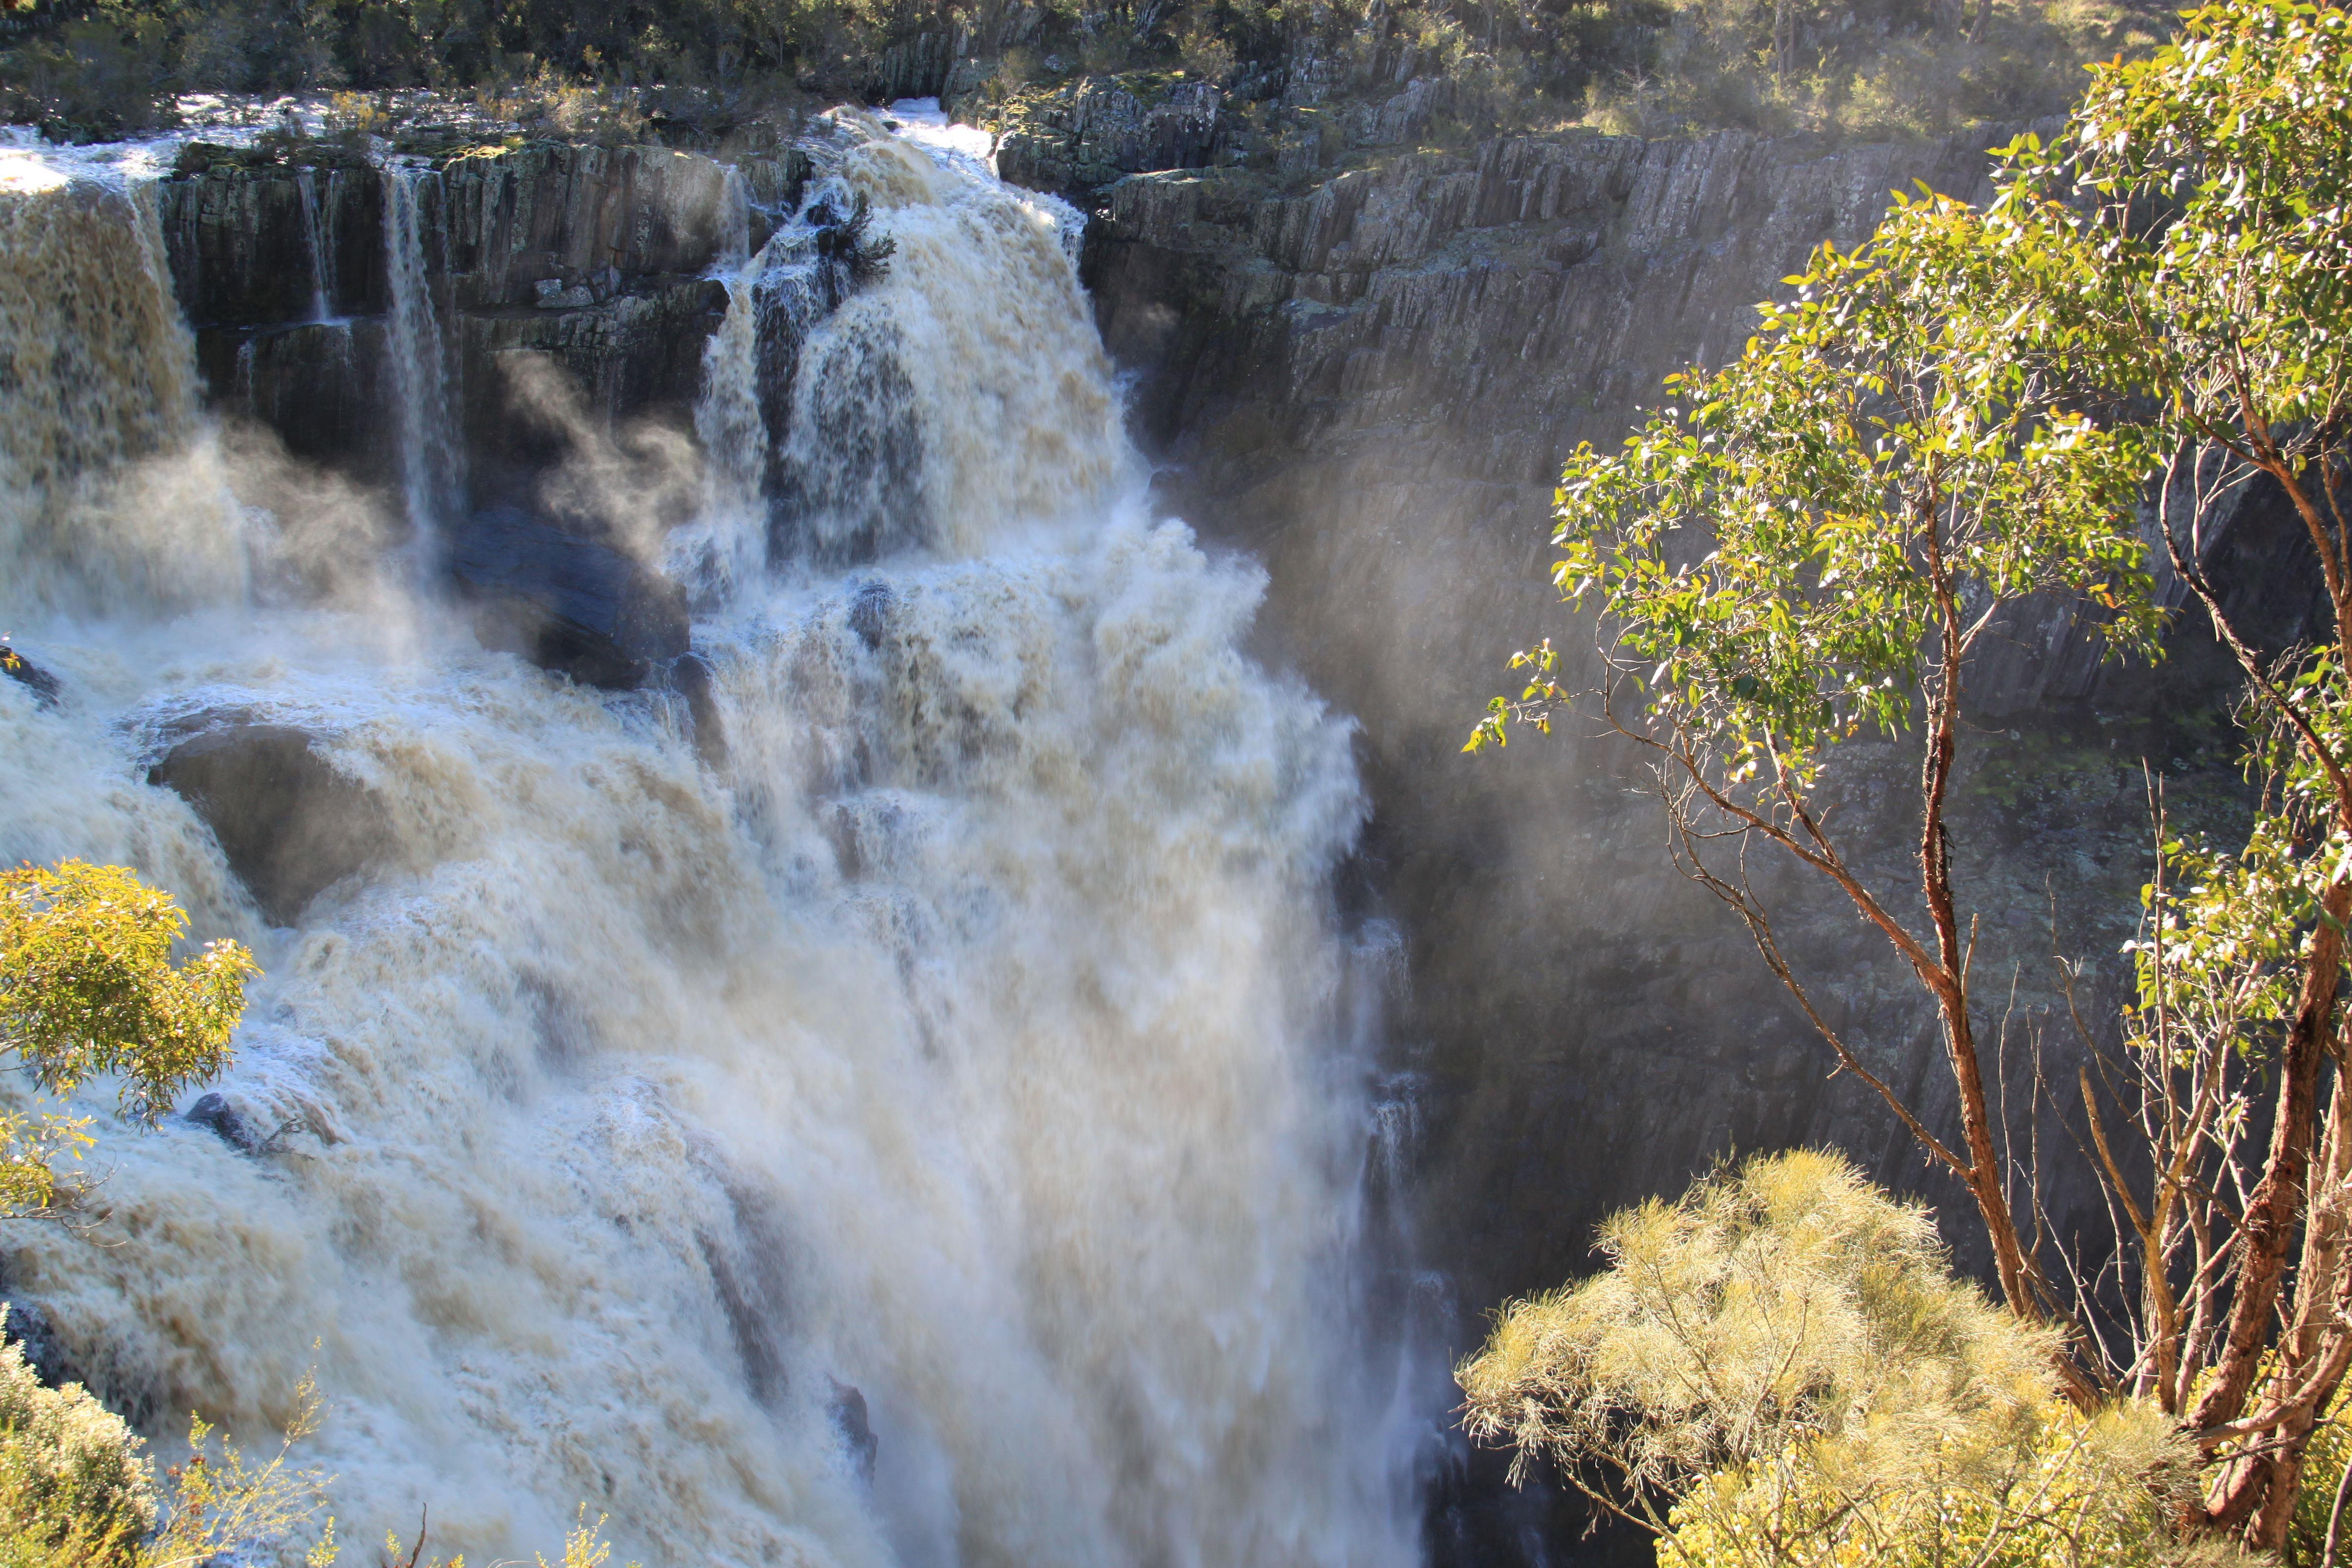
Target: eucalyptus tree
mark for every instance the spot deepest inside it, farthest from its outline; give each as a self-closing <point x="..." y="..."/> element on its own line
<point x="1809" y="545"/>
<point x="2189" y="251"/>
<point x="1805" y="549"/>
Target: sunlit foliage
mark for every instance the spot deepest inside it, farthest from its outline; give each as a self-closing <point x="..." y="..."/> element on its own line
<point x="1967" y="411"/>
<point x="88" y="988"/>
<point x="1779" y="1368"/>
<point x="74" y="1491"/>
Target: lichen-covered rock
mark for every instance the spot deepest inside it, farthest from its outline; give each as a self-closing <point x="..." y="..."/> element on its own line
<point x="1088" y="133"/>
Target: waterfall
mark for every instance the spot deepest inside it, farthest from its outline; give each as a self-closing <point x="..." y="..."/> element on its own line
<point x="734" y="220"/>
<point x="727" y="544"/>
<point x="319" y="236"/>
<point x="429" y="453"/>
<point x="98" y="370"/>
<point x="936" y="1139"/>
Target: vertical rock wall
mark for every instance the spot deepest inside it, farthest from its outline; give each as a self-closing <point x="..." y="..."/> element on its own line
<point x="1371" y="382"/>
<point x="592" y="257"/>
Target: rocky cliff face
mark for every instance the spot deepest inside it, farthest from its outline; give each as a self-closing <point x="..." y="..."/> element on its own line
<point x="1370" y="380"/>
<point x="1371" y="383"/>
<point x="587" y="257"/>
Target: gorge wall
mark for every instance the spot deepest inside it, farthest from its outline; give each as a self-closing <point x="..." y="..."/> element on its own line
<point x="594" y="260"/>
<point x="1371" y="383"/>
<point x="1368" y="377"/>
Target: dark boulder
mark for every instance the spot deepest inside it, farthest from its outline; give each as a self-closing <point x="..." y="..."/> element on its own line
<point x="45" y="1351"/>
<point x="25" y="673"/>
<point x="568" y="604"/>
<point x="214" y="1113"/>
<point x="289" y="823"/>
<point x="847" y="1409"/>
<point x="870" y="613"/>
<point x="688" y="675"/>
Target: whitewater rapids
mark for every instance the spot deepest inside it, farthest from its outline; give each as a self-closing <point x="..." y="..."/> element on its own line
<point x="972" y="1039"/>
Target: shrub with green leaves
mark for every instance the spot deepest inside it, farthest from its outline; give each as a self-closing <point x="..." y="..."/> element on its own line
<point x="88" y="988"/>
<point x="74" y="1490"/>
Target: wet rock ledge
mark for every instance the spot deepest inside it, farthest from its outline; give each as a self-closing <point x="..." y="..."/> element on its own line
<point x="591" y="257"/>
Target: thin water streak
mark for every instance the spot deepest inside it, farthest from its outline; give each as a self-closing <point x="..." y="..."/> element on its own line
<point x="430" y="458"/>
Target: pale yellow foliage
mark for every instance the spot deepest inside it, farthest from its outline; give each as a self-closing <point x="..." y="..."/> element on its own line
<point x="584" y="1546"/>
<point x="1786" y="1351"/>
<point x="2077" y="1493"/>
<point x="223" y="1501"/>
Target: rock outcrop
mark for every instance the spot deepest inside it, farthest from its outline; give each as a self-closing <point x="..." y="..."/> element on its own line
<point x="289" y="822"/>
<point x="569" y="604"/>
<point x="216" y="1115"/>
<point x="1092" y="131"/>
<point x="255" y="244"/>
<point x="594" y="257"/>
<point x="43" y="685"/>
<point x="30" y="1329"/>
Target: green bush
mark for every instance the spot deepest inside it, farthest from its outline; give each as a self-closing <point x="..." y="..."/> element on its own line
<point x="74" y="1491"/>
<point x="99" y="75"/>
<point x="88" y="989"/>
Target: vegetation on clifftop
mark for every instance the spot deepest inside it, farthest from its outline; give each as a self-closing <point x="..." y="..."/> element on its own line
<point x="1837" y="67"/>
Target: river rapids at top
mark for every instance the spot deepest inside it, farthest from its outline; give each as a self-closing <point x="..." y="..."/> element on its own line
<point x="934" y="1132"/>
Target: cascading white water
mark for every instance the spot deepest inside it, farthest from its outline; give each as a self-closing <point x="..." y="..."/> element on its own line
<point x="104" y="487"/>
<point x="734" y="219"/>
<point x="319" y="212"/>
<point x="727" y="544"/>
<point x="974" y="1041"/>
<point x="429" y="452"/>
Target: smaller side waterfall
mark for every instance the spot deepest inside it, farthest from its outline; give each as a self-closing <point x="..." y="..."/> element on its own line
<point x="100" y="499"/>
<point x="430" y="458"/>
<point x="734" y="220"/>
<point x="319" y="236"/>
<point x="729" y="544"/>
<point x="774" y="300"/>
